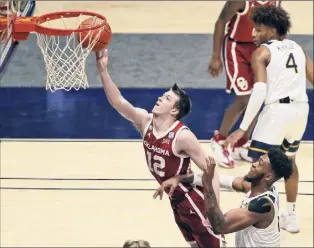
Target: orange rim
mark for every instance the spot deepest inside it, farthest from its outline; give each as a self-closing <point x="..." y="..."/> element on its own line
<point x="65" y="14"/>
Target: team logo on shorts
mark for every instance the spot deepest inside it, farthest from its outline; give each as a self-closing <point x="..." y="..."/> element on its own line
<point x="242" y="83"/>
<point x="171" y="135"/>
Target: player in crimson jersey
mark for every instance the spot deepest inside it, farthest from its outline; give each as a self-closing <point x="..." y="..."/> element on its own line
<point x="169" y="145"/>
<point x="237" y="47"/>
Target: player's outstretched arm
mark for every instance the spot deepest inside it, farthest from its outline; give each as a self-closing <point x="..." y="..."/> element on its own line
<point x="239" y="218"/>
<point x="236" y="219"/>
<point x="138" y="116"/>
<point x="237" y="184"/>
<point x="232" y="183"/>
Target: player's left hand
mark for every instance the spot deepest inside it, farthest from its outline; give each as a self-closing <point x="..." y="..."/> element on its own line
<point x="233" y="138"/>
<point x="209" y="171"/>
<point x="171" y="184"/>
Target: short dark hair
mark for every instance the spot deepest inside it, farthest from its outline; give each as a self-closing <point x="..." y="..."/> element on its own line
<point x="184" y="105"/>
<point x="272" y="16"/>
<point x="280" y="163"/>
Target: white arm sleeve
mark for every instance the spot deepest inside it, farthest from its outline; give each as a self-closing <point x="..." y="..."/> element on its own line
<point x="197" y="180"/>
<point x="226" y="181"/>
<point x="255" y="103"/>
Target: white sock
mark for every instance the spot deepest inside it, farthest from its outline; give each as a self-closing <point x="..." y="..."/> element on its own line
<point x="290" y="207"/>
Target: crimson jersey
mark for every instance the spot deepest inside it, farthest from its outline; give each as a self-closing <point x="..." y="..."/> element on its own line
<point x="240" y="27"/>
<point x="162" y="159"/>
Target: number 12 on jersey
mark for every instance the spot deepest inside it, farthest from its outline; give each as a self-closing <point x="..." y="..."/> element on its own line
<point x="156" y="164"/>
<point x="291" y="63"/>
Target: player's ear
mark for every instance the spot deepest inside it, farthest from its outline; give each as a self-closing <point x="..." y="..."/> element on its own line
<point x="269" y="177"/>
<point x="174" y="111"/>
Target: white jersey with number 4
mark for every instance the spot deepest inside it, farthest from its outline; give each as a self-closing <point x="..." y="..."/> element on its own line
<point x="286" y="73"/>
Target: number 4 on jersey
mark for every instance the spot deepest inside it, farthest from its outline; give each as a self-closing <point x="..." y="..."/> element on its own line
<point x="291" y="63"/>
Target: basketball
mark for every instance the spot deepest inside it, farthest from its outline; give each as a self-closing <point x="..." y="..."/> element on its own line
<point x="104" y="37"/>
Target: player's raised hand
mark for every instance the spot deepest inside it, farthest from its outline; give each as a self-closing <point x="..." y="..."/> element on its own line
<point x="215" y="66"/>
<point x="233" y="138"/>
<point x="102" y="60"/>
<point x="171" y="184"/>
<point x="209" y="171"/>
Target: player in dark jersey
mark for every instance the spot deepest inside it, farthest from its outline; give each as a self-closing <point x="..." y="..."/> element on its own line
<point x="169" y="146"/>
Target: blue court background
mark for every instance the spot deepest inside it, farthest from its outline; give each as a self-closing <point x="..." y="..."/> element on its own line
<point x="36" y="113"/>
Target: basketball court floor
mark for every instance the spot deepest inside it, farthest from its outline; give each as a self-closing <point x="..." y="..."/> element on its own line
<point x="98" y="193"/>
<point x="105" y="196"/>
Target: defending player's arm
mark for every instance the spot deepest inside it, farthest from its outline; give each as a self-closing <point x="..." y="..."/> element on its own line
<point x="236" y="219"/>
<point x="232" y="183"/>
<point x="259" y="62"/>
<point x="229" y="10"/>
<point x="239" y="218"/>
<point x="136" y="115"/>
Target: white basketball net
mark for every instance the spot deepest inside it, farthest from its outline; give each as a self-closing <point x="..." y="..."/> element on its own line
<point x="65" y="57"/>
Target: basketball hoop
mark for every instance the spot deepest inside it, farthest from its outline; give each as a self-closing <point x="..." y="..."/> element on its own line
<point x="64" y="43"/>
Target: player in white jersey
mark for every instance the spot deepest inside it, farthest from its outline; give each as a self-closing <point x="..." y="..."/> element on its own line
<point x="256" y="222"/>
<point x="280" y="68"/>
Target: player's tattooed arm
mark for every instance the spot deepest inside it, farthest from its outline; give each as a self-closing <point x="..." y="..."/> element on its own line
<point x="214" y="213"/>
<point x="236" y="219"/>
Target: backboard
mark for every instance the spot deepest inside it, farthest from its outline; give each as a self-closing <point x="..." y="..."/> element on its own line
<point x="11" y="9"/>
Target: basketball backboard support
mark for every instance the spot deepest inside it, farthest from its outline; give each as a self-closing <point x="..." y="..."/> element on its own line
<point x="9" y="9"/>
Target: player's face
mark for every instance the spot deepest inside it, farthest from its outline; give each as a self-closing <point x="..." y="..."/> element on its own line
<point x="262" y="34"/>
<point x="166" y="104"/>
<point x="259" y="170"/>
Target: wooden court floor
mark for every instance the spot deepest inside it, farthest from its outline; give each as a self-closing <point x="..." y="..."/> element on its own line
<point x="38" y="209"/>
